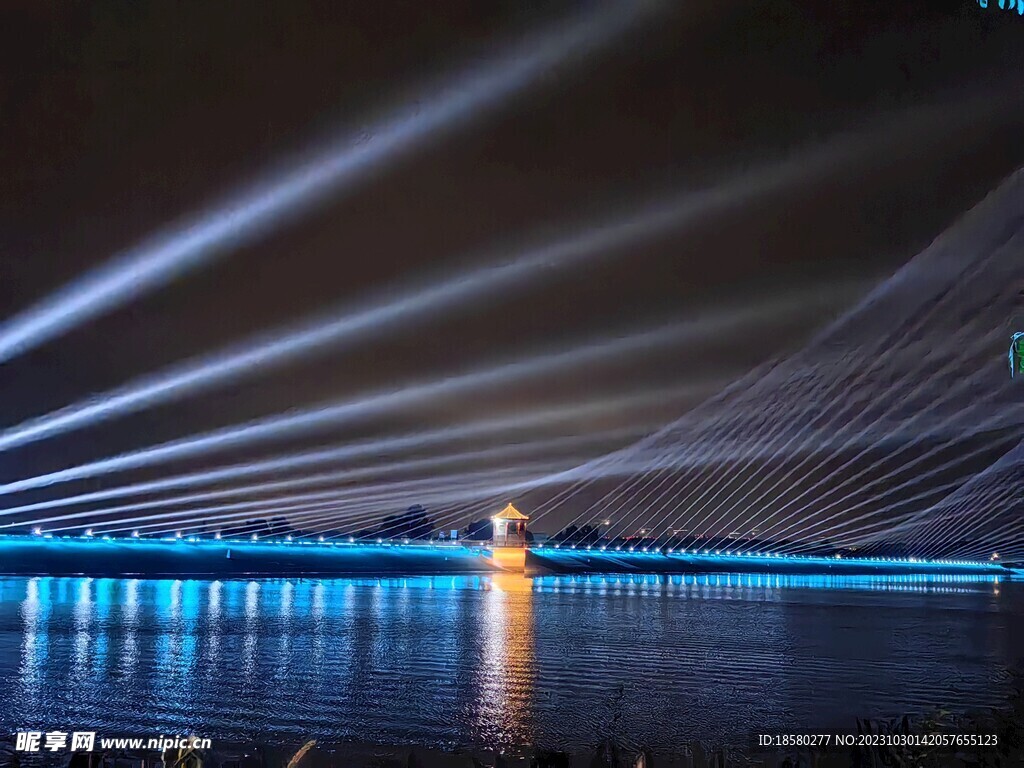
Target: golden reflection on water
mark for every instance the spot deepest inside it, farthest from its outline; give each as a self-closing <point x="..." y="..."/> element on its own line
<point x="508" y="671"/>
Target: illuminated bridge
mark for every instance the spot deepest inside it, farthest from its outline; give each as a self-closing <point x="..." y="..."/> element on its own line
<point x="193" y="557"/>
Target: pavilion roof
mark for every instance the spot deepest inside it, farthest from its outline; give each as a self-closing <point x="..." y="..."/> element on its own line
<point x="510" y="513"/>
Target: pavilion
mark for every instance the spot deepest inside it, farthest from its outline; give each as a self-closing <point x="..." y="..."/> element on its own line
<point x="509" y="528"/>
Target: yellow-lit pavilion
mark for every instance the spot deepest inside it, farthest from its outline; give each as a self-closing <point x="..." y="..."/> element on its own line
<point x="510" y="528"/>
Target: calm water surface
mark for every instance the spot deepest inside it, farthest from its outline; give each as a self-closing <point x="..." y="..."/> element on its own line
<point x="470" y="661"/>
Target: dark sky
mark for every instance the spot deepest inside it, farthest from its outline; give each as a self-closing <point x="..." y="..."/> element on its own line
<point x="119" y="118"/>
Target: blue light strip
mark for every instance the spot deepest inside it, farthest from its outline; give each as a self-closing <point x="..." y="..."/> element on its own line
<point x="724" y="559"/>
<point x="217" y="542"/>
<point x="718" y="560"/>
<point x="193" y="557"/>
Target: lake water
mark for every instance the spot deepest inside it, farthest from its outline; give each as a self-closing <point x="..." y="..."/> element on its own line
<point x="487" y="661"/>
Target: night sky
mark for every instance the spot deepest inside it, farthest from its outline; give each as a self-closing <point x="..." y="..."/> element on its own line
<point x="120" y="118"/>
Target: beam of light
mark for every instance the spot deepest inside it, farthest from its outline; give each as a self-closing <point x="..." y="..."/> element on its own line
<point x="663" y="459"/>
<point x="443" y="520"/>
<point x="368" y="501"/>
<point x="876" y="535"/>
<point x="617" y="458"/>
<point x="601" y="464"/>
<point x="381" y="447"/>
<point x="956" y="536"/>
<point x="339" y="413"/>
<point x="372" y="497"/>
<point x="691" y="448"/>
<point x="357" y="325"/>
<point x="348" y="518"/>
<point x="670" y="457"/>
<point x="275" y="349"/>
<point x="274" y="200"/>
<point x="955" y="520"/>
<point x="834" y="427"/>
<point x="478" y="495"/>
<point x="811" y="528"/>
<point x="503" y="452"/>
<point x="695" y="454"/>
<point x="918" y="124"/>
<point x="922" y="373"/>
<point x="329" y="528"/>
<point x="888" y="488"/>
<point x="759" y="436"/>
<point x="882" y="531"/>
<point x="373" y="523"/>
<point x="858" y="527"/>
<point x="688" y="505"/>
<point x="644" y="462"/>
<point x="1000" y="474"/>
<point x="797" y="516"/>
<point x="750" y="476"/>
<point x="975" y="502"/>
<point x="712" y="323"/>
<point x="1005" y="538"/>
<point x="584" y="475"/>
<point x="948" y="395"/>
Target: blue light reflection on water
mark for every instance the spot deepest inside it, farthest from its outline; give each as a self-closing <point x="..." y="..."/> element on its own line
<point x="921" y="583"/>
<point x="474" y="660"/>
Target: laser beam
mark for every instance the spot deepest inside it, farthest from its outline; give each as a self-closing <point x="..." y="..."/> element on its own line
<point x="381" y="447"/>
<point x="503" y="452"/>
<point x="380" y="402"/>
<point x="274" y="200"/>
<point x="518" y="269"/>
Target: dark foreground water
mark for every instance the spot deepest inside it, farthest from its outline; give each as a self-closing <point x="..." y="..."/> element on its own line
<point x="485" y="661"/>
